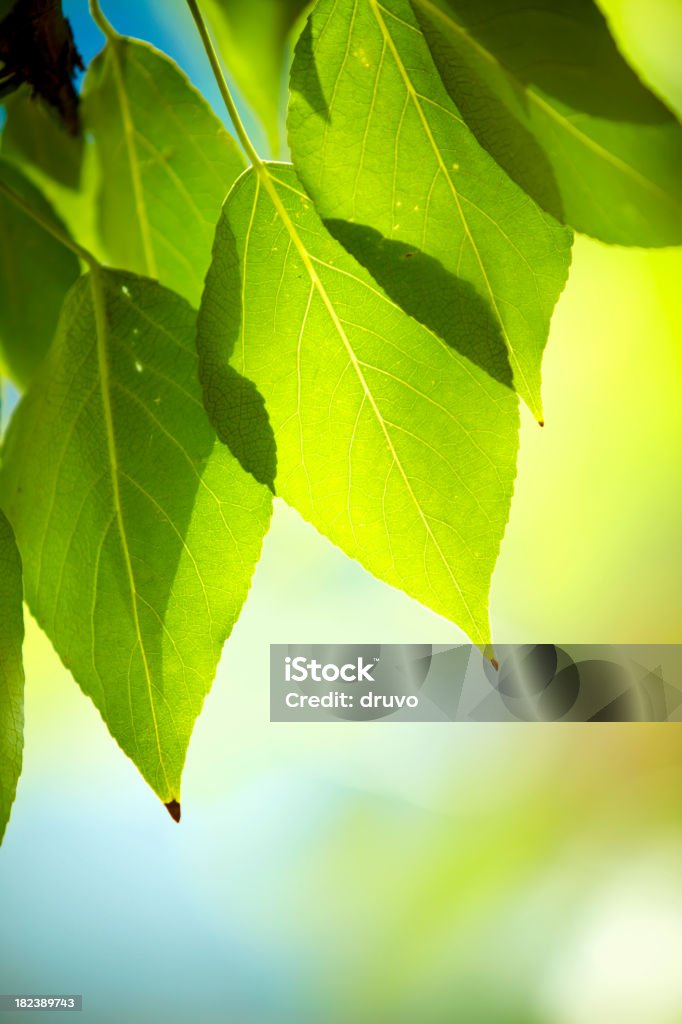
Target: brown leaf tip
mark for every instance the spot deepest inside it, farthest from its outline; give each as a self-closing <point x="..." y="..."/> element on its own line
<point x="173" y="809"/>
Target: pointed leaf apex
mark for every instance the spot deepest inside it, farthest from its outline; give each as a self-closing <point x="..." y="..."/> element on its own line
<point x="173" y="809"/>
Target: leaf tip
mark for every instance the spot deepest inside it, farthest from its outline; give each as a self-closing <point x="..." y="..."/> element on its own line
<point x="173" y="808"/>
<point x="488" y="652"/>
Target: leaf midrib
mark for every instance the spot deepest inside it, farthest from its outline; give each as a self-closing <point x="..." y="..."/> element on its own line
<point x="101" y="331"/>
<point x="414" y="96"/>
<point x="269" y="182"/>
<point x="114" y="42"/>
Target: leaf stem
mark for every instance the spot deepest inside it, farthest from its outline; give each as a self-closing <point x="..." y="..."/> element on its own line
<point x="48" y="225"/>
<point x="239" y="128"/>
<point x="259" y="165"/>
<point x="102" y="22"/>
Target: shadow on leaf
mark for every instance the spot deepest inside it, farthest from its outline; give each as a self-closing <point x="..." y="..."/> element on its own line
<point x="234" y="404"/>
<point x="420" y="284"/>
<point x="312" y="86"/>
<point x="566" y="54"/>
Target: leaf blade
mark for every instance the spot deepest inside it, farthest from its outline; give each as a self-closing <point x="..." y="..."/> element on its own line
<point x="139" y="532"/>
<point x="166" y="164"/>
<point x="61" y="166"/>
<point x="35" y="262"/>
<point x="339" y="367"/>
<point x="33" y="135"/>
<point x="363" y="78"/>
<point x="11" y="671"/>
<point x="548" y="94"/>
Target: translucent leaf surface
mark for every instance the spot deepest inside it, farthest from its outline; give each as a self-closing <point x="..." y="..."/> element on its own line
<point x="11" y="671"/>
<point x="38" y="272"/>
<point x="166" y="165"/>
<point x="394" y="445"/>
<point x="138" y="530"/>
<point x="34" y="135"/>
<point x="403" y="183"/>
<point x="549" y="95"/>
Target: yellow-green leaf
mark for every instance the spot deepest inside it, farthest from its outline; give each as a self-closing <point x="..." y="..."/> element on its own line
<point x="546" y="91"/>
<point x="393" y="168"/>
<point x="393" y="444"/>
<point x="11" y="672"/>
<point x="138" y="530"/>
<point x="166" y="164"/>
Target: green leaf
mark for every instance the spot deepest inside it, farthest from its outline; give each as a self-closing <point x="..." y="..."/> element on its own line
<point x="11" y="671"/>
<point x="166" y="164"/>
<point x="546" y="91"/>
<point x="395" y="446"/>
<point x="60" y="165"/>
<point x="138" y="530"/>
<point x="38" y="273"/>
<point x="50" y="167"/>
<point x="252" y="36"/>
<point x="33" y="134"/>
<point x="379" y="145"/>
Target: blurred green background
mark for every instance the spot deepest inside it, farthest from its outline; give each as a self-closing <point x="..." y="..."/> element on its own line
<point x="483" y="874"/>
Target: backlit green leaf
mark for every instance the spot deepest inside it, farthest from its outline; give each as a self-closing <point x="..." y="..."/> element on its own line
<point x="546" y="91"/>
<point x="60" y="165"/>
<point x="34" y="134"/>
<point x="394" y="445"/>
<point x="11" y="671"/>
<point x="138" y="530"/>
<point x="393" y="170"/>
<point x="38" y="272"/>
<point x="166" y="164"/>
